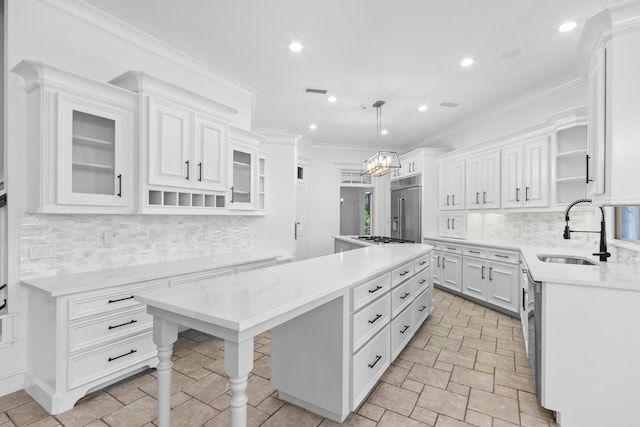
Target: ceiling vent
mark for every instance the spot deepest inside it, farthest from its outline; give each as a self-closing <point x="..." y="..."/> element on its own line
<point x="449" y="104"/>
<point x="315" y="90"/>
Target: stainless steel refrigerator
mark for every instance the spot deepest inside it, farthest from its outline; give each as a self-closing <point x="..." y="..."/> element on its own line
<point x="406" y="209"/>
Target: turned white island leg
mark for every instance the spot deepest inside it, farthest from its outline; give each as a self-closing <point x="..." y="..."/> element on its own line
<point x="164" y="335"/>
<point x="238" y="362"/>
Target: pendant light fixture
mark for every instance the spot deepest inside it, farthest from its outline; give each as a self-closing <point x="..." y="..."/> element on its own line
<point x="382" y="162"/>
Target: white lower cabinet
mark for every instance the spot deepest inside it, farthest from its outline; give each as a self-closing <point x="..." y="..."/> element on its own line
<point x="85" y="340"/>
<point x="378" y="318"/>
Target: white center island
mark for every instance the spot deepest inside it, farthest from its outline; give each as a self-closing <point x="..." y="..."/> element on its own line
<point x="337" y="322"/>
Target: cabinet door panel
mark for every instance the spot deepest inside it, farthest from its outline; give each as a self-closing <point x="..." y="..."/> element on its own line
<point x="491" y="180"/>
<point x="536" y="173"/>
<point x="169" y="142"/>
<point x="503" y="285"/>
<point x="451" y="271"/>
<point x="474" y="273"/>
<point x="512" y="191"/>
<point x="474" y="182"/>
<point x="210" y="153"/>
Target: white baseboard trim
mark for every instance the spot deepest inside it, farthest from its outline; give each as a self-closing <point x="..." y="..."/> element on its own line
<point x="12" y="380"/>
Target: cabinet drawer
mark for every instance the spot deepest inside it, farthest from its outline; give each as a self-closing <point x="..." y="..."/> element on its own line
<point x="421" y="263"/>
<point x="369" y="291"/>
<point x="436" y="245"/>
<point x="93" y="365"/>
<point x="401" y="273"/>
<point x="95" y="331"/>
<point x="421" y="281"/>
<point x="402" y="296"/>
<point x="369" y="364"/>
<point x="108" y="300"/>
<point x="511" y="257"/>
<point x="421" y="308"/>
<point x="475" y="251"/>
<point x="402" y="329"/>
<point x="452" y="248"/>
<point x="369" y="321"/>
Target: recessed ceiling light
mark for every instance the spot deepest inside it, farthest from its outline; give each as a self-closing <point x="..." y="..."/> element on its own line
<point x="422" y="108"/>
<point x="466" y="62"/>
<point x="384" y="131"/>
<point x="313" y="126"/>
<point x="567" y="26"/>
<point x="332" y="99"/>
<point x="295" y="47"/>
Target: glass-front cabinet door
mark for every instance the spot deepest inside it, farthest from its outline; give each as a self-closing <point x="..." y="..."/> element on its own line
<point x="243" y="193"/>
<point x="92" y="161"/>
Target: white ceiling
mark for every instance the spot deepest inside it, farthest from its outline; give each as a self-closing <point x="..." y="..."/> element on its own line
<point x="406" y="52"/>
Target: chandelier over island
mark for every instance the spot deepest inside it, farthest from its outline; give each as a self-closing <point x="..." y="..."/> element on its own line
<point x="381" y="162"/>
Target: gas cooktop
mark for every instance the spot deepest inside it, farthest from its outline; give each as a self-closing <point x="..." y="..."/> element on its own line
<point x="382" y="239"/>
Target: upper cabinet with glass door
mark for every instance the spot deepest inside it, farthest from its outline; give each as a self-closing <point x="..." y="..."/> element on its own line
<point x="245" y="175"/>
<point x="80" y="142"/>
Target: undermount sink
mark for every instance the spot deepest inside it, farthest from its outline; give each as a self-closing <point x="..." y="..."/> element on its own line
<point x="566" y="259"/>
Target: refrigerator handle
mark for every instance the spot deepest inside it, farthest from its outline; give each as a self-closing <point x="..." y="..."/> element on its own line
<point x="401" y="217"/>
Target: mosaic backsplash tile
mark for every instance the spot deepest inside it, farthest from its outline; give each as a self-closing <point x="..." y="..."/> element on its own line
<point x="93" y="242"/>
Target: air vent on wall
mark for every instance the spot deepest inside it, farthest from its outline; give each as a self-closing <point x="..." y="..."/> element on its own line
<point x="449" y="104"/>
<point x="315" y="90"/>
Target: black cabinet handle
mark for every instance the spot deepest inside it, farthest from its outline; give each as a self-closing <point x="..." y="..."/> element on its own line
<point x="187" y="163"/>
<point x="378" y="357"/>
<point x="447" y="200"/>
<point x="422" y="281"/>
<point x="523" y="296"/>
<point x="482" y="273"/>
<point x="375" y="319"/>
<point x="490" y="273"/>
<point x="404" y="273"/>
<point x="123" y="324"/>
<point x="484" y="197"/>
<point x="448" y="223"/>
<point x="501" y="256"/>
<point x="588" y="180"/>
<point x="477" y="195"/>
<point x="111" y="359"/>
<point x="451" y="249"/>
<point x="422" y="307"/>
<point x="453" y="223"/>
<point x="443" y="266"/>
<point x="406" y="294"/>
<point x="517" y="194"/>
<point x="119" y="185"/>
<point x="375" y="290"/>
<point x="404" y="329"/>
<point x="475" y="252"/>
<point x="231" y="194"/>
<point x="526" y="194"/>
<point x="423" y="262"/>
<point x="111" y="301"/>
<point x="438" y="262"/>
<point x="453" y="200"/>
<point x="200" y="171"/>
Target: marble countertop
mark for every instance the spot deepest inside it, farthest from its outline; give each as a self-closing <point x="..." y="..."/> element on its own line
<point x="244" y="300"/>
<point x="99" y="279"/>
<point x="609" y="274"/>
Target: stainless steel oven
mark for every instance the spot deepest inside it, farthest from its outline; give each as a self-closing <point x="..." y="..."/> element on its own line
<point x="534" y="329"/>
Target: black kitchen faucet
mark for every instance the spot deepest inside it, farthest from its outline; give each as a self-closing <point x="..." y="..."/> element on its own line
<point x="603" y="254"/>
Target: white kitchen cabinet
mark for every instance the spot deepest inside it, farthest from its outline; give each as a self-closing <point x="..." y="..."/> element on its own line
<point x="446" y="267"/>
<point x="525" y="173"/>
<point x="262" y="176"/>
<point x="597" y="120"/>
<point x="81" y="136"/>
<point x="451" y="182"/>
<point x="243" y="173"/>
<point x="411" y="165"/>
<point x="483" y="181"/>
<point x="452" y="225"/>
<point x="184" y="137"/>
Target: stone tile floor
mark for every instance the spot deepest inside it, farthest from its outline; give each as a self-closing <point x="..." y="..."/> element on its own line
<point x="466" y="366"/>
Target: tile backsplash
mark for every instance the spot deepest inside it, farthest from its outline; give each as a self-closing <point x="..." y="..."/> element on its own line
<point x="61" y="244"/>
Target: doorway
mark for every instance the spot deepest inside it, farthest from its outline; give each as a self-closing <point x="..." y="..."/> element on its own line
<point x="356" y="206"/>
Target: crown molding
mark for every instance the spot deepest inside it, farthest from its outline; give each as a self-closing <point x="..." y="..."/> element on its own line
<point x="279" y="136"/>
<point x="100" y="19"/>
<point x="554" y="88"/>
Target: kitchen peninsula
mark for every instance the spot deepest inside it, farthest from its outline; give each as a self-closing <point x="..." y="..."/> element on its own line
<point x="333" y="321"/>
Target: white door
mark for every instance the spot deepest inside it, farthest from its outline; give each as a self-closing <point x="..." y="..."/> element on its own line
<point x="169" y="144"/>
<point x="512" y="191"/>
<point x="210" y="153"/>
<point x="299" y="228"/>
<point x="536" y="172"/>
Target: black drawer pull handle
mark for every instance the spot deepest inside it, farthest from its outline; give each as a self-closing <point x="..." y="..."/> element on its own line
<point x="375" y="290"/>
<point x="517" y="194"/>
<point x="501" y="256"/>
<point x="423" y="262"/>
<point x="474" y="252"/>
<point x="378" y="357"/>
<point x="119" y="185"/>
<point x="406" y="294"/>
<point x="404" y="329"/>
<point x="404" y="273"/>
<point x="375" y="319"/>
<point x="422" y="307"/>
<point x="523" y="298"/>
<point x="123" y="324"/>
<point x="422" y="281"/>
<point x="187" y="163"/>
<point x="200" y="167"/>
<point x="111" y="359"/>
<point x="111" y="301"/>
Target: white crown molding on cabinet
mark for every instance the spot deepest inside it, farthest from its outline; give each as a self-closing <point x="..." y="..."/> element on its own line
<point x="279" y="137"/>
<point x="100" y="19"/>
<point x="246" y="136"/>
